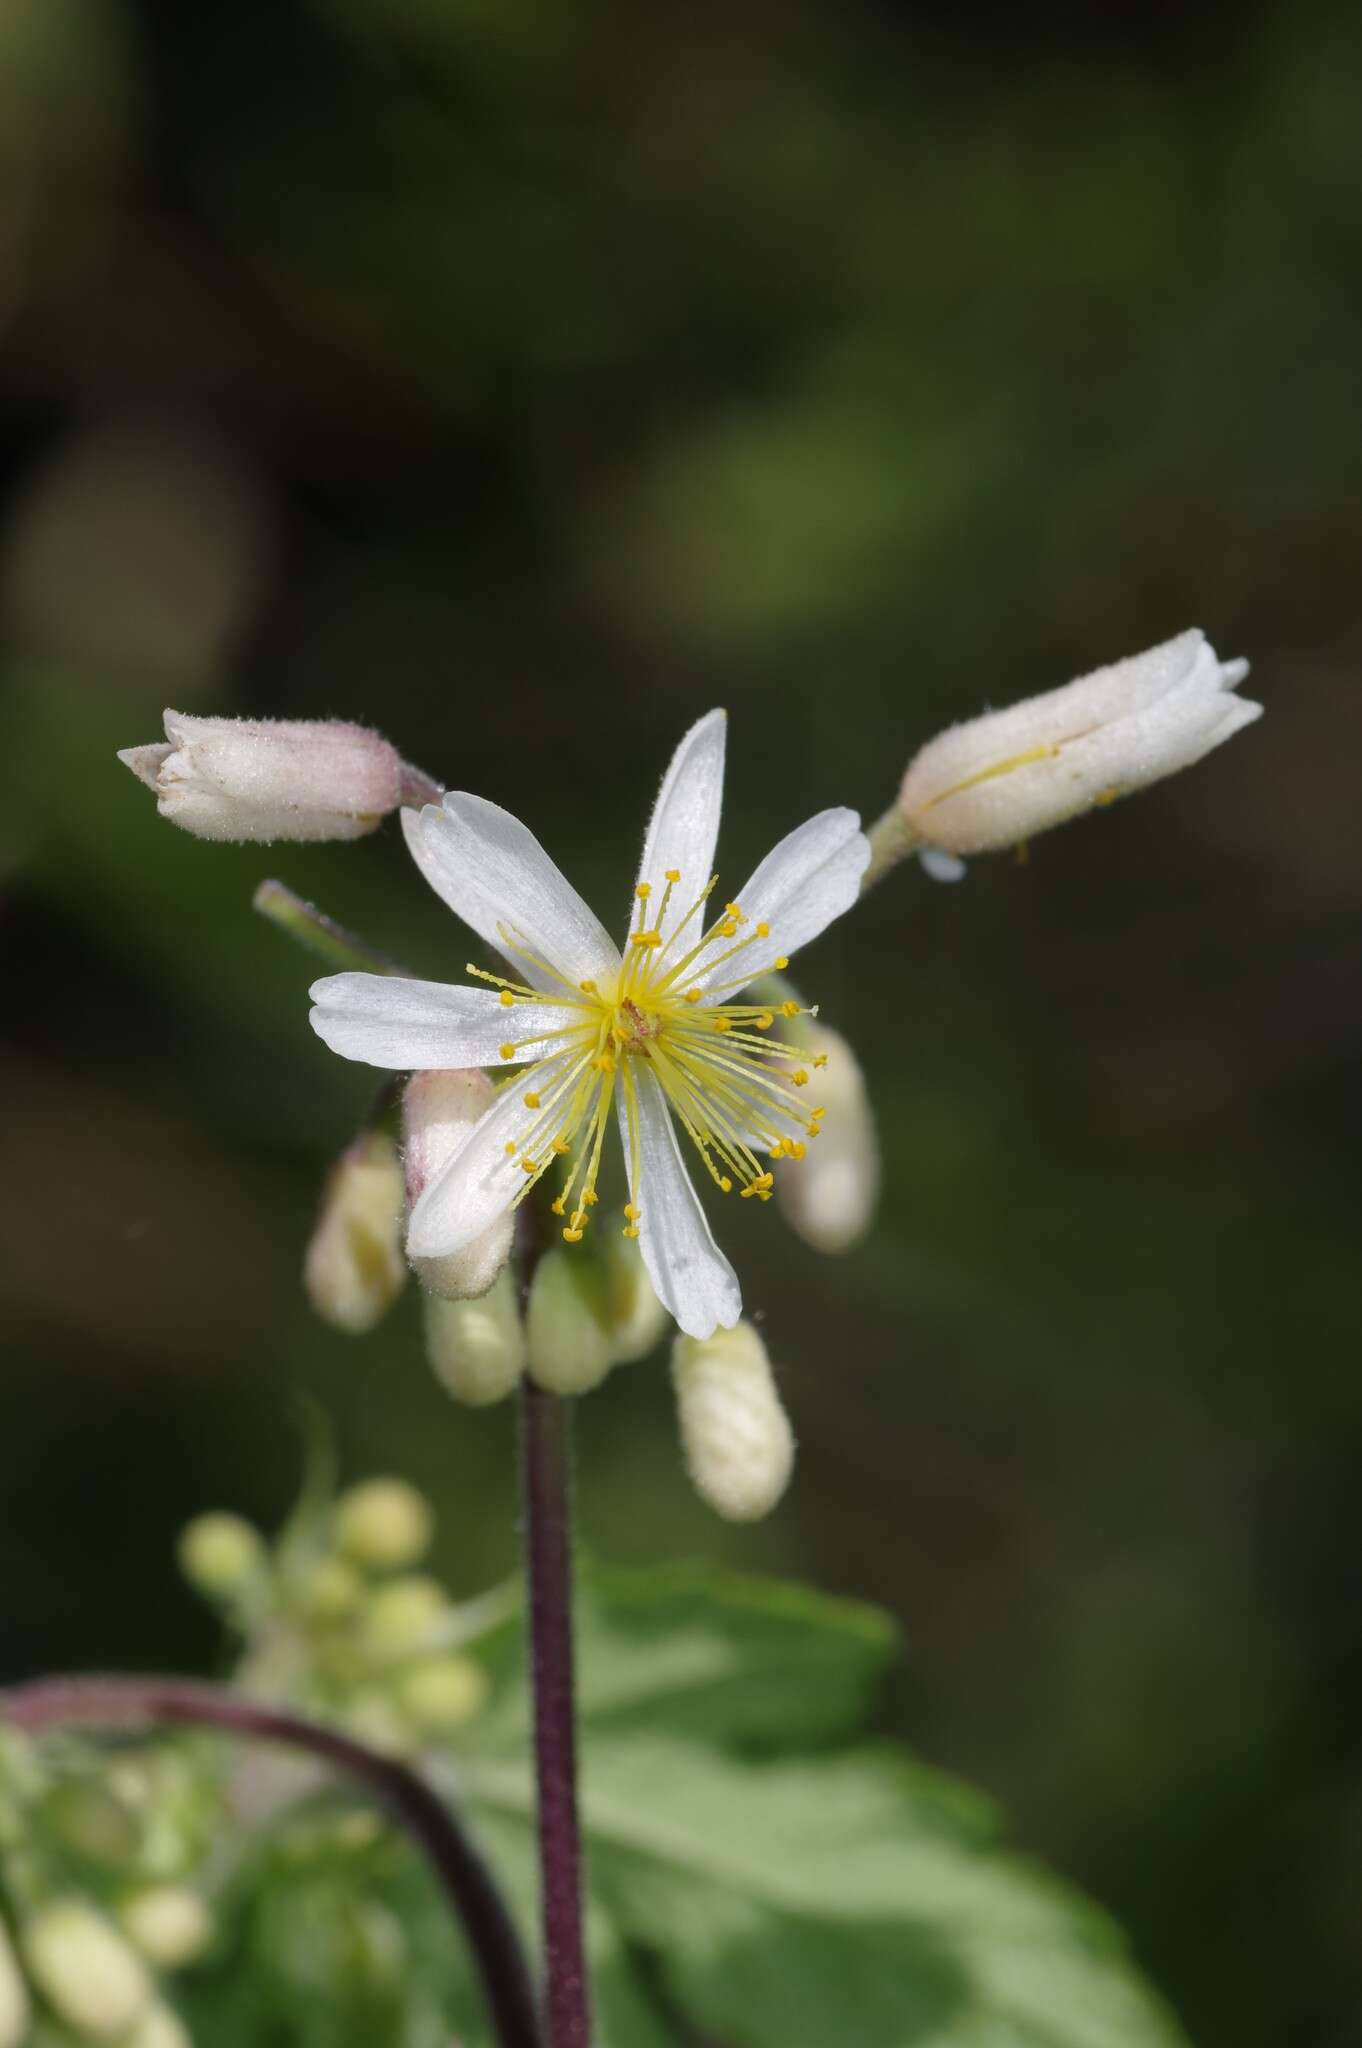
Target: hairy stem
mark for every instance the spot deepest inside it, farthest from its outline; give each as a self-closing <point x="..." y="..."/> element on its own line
<point x="892" y="839"/>
<point x="312" y="928"/>
<point x="467" y="1883"/>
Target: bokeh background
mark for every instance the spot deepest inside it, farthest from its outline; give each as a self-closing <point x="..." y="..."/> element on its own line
<point x="525" y="378"/>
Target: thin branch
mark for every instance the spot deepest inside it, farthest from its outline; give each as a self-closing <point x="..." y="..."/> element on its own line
<point x="301" y="920"/>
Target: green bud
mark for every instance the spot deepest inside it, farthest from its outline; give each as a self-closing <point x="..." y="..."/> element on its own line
<point x="220" y="1554"/>
<point x="442" y="1693"/>
<point x="374" y="1718"/>
<point x="736" y="1436"/>
<point x="85" y="1970"/>
<point x="355" y="1269"/>
<point x="402" y="1617"/>
<point x="330" y="1590"/>
<point x="566" y="1329"/>
<point x="636" y="1317"/>
<point x="94" y="1821"/>
<point x="477" y="1348"/>
<point x="168" y="1923"/>
<point x="158" y="2027"/>
<point x="383" y="1524"/>
<point x="14" y="2006"/>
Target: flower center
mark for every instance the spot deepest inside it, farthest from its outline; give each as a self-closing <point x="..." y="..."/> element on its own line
<point x="730" y="1080"/>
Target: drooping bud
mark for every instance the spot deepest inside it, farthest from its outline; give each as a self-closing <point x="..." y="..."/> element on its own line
<point x="265" y="778"/>
<point x="829" y="1195"/>
<point x="403" y="1617"/>
<point x="86" y="1971"/>
<point x="477" y="1348"/>
<point x="354" y="1269"/>
<point x="158" y="2027"/>
<point x="221" y="1554"/>
<point x="439" y="1108"/>
<point x="567" y="1332"/>
<point x="995" y="781"/>
<point x="737" y="1438"/>
<point x="635" y="1317"/>
<point x="14" y="2005"/>
<point x="168" y="1923"/>
<point x="383" y="1524"/>
<point x="442" y="1693"/>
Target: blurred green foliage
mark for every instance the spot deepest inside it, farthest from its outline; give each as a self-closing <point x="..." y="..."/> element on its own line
<point x="524" y="379"/>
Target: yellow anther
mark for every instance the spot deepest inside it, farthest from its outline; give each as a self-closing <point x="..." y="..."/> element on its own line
<point x="795" y="1149"/>
<point x="531" y="1100"/>
<point x="734" y="910"/>
<point x="673" y="874"/>
<point x="529" y="1165"/>
<point x="781" y="962"/>
<point x="693" y="995"/>
<point x="814" y="1130"/>
<point x="764" y="1182"/>
<point x="723" y="1024"/>
<point x="1107" y="796"/>
<point x="572" y="1236"/>
<point x="764" y="1021"/>
<point x="558" y="1204"/>
<point x="645" y="938"/>
<point x="507" y="999"/>
<point x="789" y="1009"/>
<point x="589" y="1197"/>
<point x="644" y="891"/>
<point x="763" y="931"/>
<point x="820" y="1059"/>
<point x="632" y="1211"/>
<point x="588" y="988"/>
<point x="777" y="1151"/>
<point x="763" y="1194"/>
<point x="725" y="1184"/>
<point x="801" y="1079"/>
<point x="631" y="1230"/>
<point x="561" y="1146"/>
<point x="508" y="1052"/>
<point x="816" y="1113"/>
<point x="510" y="1151"/>
<point x="578" y="1219"/>
<point x="729" y="928"/>
<point x="604" y="1063"/>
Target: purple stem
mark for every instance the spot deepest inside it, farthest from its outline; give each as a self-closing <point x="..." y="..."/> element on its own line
<point x="464" y="1877"/>
<point x="546" y="1484"/>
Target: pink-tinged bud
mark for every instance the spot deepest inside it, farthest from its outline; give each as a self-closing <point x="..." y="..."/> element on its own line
<point x="354" y="1269"/>
<point x="996" y="780"/>
<point x="439" y="1109"/>
<point x="265" y="778"/>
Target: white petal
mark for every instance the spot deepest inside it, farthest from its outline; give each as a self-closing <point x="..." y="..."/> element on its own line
<point x="492" y="872"/>
<point x="684" y="827"/>
<point x="690" y="1275"/>
<point x="811" y="877"/>
<point x="477" y="1186"/>
<point x="390" y="1021"/>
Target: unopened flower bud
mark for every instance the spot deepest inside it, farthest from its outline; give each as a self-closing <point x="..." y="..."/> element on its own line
<point x="354" y="1269"/>
<point x="158" y="2027"/>
<point x="635" y="1316"/>
<point x="330" y="1590"/>
<point x="266" y="778"/>
<point x="477" y="1348"/>
<point x="14" y="2006"/>
<point x="169" y="1924"/>
<point x="736" y="1436"/>
<point x="221" y="1554"/>
<point x="829" y="1194"/>
<point x="439" y="1109"/>
<point x="442" y="1693"/>
<point x="383" y="1524"/>
<point x="996" y="780"/>
<point x="86" y="1971"/>
<point x="567" y="1334"/>
<point x="403" y="1616"/>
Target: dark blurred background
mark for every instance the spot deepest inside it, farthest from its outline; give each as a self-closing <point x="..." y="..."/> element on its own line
<point x="525" y="378"/>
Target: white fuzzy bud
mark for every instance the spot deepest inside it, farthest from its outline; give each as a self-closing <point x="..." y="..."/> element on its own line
<point x="264" y="778"/>
<point x="737" y="1438"/>
<point x="354" y="1269"/>
<point x="567" y="1334"/>
<point x="635" y="1316"/>
<point x="14" y="2006"/>
<point x="477" y="1348"/>
<point x="158" y="2027"/>
<point x="829" y="1196"/>
<point x="383" y="1524"/>
<point x="996" y="780"/>
<point x="169" y="1924"/>
<point x="439" y="1109"/>
<point x="220" y="1554"/>
<point x="90" y="1976"/>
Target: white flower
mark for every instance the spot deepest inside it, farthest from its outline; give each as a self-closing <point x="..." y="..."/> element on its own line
<point x="645" y="1037"/>
<point x="995" y="780"/>
<point x="269" y="778"/>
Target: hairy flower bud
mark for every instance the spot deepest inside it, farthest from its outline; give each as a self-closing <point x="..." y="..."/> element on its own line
<point x="168" y="1923"/>
<point x="220" y="1554"/>
<point x="567" y="1334"/>
<point x="85" y="1970"/>
<point x="14" y="2006"/>
<point x="384" y="1524"/>
<point x="829" y="1196"/>
<point x="477" y="1348"/>
<point x="266" y="778"/>
<point x="996" y="780"/>
<point x="439" y="1109"/>
<point x="635" y="1317"/>
<point x="354" y="1269"/>
<point x="736" y="1436"/>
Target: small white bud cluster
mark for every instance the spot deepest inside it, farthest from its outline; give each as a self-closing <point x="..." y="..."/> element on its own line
<point x="354" y="1268"/>
<point x="738" y="1444"/>
<point x="828" y="1198"/>
<point x="995" y="781"/>
<point x="263" y="779"/>
<point x="92" y="1978"/>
